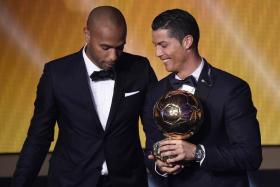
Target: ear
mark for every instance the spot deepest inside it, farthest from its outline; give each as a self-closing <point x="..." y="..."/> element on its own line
<point x="87" y="34"/>
<point x="187" y="42"/>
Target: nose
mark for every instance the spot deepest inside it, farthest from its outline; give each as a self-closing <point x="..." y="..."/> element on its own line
<point x="158" y="51"/>
<point x="113" y="55"/>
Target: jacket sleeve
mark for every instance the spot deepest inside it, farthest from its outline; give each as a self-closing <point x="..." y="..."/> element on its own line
<point x="151" y="131"/>
<point x="147" y="118"/>
<point x="242" y="128"/>
<point x="40" y="133"/>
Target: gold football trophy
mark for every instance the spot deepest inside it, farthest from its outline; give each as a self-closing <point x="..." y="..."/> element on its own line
<point x="178" y="115"/>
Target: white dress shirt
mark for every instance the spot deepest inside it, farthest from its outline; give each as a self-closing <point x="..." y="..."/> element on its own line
<point x="195" y="74"/>
<point x="102" y="94"/>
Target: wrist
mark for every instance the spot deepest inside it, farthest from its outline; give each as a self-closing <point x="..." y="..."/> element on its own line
<point x="159" y="172"/>
<point x="199" y="154"/>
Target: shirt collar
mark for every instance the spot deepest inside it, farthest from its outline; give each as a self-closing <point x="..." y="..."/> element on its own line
<point x="197" y="71"/>
<point x="91" y="67"/>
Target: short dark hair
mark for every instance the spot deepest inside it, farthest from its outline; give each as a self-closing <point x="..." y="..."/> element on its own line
<point x="109" y="13"/>
<point x="180" y="23"/>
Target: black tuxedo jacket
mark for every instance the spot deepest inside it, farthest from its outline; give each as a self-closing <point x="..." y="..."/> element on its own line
<point x="230" y="132"/>
<point x="64" y="96"/>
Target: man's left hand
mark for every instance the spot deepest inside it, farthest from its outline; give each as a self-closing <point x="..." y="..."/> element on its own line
<point x="177" y="150"/>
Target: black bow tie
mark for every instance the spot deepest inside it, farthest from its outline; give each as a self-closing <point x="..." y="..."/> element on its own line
<point x="190" y="80"/>
<point x="102" y="75"/>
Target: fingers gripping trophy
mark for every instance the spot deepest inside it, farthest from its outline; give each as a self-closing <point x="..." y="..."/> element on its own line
<point x="178" y="115"/>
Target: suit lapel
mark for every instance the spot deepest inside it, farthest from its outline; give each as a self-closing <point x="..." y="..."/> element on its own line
<point x="118" y="96"/>
<point x="81" y="78"/>
<point x="205" y="82"/>
<point x="169" y="86"/>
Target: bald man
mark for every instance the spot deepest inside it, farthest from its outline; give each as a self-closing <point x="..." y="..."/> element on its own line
<point x="96" y="97"/>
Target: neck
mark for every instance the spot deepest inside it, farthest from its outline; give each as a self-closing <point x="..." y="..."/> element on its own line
<point x="191" y="64"/>
<point x="88" y="54"/>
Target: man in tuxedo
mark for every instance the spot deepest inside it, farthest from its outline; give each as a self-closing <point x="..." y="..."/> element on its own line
<point x="96" y="96"/>
<point x="228" y="143"/>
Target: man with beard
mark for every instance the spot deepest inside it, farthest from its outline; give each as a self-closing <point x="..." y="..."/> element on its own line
<point x="95" y="96"/>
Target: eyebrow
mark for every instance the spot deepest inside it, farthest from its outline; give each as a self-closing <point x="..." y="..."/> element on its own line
<point x="110" y="46"/>
<point x="160" y="43"/>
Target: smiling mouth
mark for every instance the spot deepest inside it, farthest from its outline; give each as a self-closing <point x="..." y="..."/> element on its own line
<point x="165" y="60"/>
